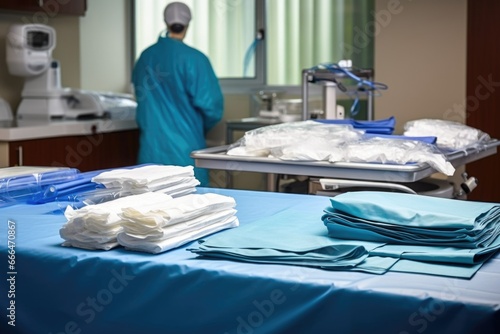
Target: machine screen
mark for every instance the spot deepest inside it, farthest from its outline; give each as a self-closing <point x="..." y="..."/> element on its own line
<point x="38" y="39"/>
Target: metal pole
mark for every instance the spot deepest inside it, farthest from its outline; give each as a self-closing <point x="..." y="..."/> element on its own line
<point x="305" y="94"/>
<point x="330" y="100"/>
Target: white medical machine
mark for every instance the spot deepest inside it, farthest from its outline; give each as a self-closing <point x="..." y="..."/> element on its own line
<point x="29" y="55"/>
<point x="5" y="111"/>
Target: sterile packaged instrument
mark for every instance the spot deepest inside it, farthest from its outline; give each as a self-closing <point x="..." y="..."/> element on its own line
<point x="92" y="197"/>
<point x="27" y="184"/>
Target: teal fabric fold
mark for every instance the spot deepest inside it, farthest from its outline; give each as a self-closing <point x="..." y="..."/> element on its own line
<point x="291" y="237"/>
<point x="410" y="210"/>
<point x="434" y="268"/>
<point x="374" y="232"/>
<point x="413" y="219"/>
<point x="438" y="254"/>
<point x="426" y="234"/>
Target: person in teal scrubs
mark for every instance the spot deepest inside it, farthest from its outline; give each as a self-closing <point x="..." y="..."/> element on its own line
<point x="179" y="98"/>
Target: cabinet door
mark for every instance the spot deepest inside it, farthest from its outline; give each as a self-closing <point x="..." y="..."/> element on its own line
<point x="483" y="98"/>
<point x="86" y="153"/>
<point x="47" y="7"/>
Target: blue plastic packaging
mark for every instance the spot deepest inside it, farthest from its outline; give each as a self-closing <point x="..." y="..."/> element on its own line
<point x="26" y="184"/>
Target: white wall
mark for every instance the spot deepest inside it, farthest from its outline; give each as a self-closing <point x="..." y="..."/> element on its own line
<point x="420" y="52"/>
<point x="105" y="46"/>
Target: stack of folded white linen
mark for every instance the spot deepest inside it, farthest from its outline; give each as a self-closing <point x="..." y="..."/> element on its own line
<point x="159" y="227"/>
<point x="97" y="226"/>
<point x="172" y="180"/>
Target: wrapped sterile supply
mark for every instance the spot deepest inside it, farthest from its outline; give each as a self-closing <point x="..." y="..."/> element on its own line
<point x="450" y="135"/>
<point x="29" y="184"/>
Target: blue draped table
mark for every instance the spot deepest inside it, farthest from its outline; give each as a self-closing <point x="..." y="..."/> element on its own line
<point x="68" y="290"/>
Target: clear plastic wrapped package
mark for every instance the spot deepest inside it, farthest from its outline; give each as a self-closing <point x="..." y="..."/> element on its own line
<point x="451" y="136"/>
<point x="312" y="149"/>
<point x="314" y="141"/>
<point x="277" y="140"/>
<point x="29" y="184"/>
<point x="399" y="152"/>
<point x="78" y="200"/>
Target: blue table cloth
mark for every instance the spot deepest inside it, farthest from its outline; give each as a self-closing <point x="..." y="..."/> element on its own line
<point x="72" y="290"/>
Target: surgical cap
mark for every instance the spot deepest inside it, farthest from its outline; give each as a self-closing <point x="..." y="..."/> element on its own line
<point x="177" y="12"/>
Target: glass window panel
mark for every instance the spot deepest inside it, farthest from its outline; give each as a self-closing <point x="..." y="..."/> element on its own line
<point x="224" y="30"/>
<point x="305" y="33"/>
<point x="299" y="34"/>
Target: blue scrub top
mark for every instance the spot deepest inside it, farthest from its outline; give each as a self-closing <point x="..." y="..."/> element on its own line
<point x="179" y="101"/>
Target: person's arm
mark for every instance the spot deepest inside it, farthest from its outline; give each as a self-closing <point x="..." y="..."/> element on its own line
<point x="206" y="93"/>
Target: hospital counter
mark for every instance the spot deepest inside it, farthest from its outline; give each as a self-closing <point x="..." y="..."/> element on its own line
<point x="82" y="144"/>
<point x="68" y="290"/>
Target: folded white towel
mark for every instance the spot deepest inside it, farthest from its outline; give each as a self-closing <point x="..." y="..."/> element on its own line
<point x="157" y="228"/>
<point x="150" y="176"/>
<point x="170" y="231"/>
<point x="96" y="226"/>
<point x="172" y="212"/>
<point x="180" y="189"/>
<point x="156" y="247"/>
<point x="152" y="222"/>
<point x="90" y="245"/>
